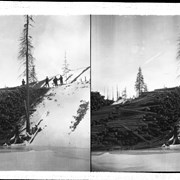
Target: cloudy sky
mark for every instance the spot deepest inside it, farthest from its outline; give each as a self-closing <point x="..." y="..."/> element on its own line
<point x="52" y="36"/>
<point x="120" y="44"/>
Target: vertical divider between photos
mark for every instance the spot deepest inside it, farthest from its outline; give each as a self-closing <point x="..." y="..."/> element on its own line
<point x="90" y="87"/>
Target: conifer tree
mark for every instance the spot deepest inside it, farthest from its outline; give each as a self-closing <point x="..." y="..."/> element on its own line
<point x="25" y="49"/>
<point x="26" y="58"/>
<point x="140" y="86"/>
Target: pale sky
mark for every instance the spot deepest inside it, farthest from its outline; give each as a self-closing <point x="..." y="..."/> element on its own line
<point x="52" y="36"/>
<point x="120" y="44"/>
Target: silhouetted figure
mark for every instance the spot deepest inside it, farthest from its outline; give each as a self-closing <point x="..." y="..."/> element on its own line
<point x="47" y="82"/>
<point x="55" y="81"/>
<point x="61" y="80"/>
<point x="23" y="82"/>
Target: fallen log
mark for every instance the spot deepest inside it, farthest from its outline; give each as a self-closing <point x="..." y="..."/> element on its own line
<point x="139" y="136"/>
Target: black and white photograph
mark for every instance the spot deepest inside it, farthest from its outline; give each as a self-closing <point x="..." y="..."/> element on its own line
<point x="89" y="90"/>
<point x="45" y="93"/>
<point x="135" y="120"/>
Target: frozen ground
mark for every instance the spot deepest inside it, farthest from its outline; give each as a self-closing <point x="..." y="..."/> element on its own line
<point x="36" y="158"/>
<point x="56" y="147"/>
<point x="137" y="160"/>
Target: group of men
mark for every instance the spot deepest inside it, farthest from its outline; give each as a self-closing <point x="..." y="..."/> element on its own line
<point x="55" y="81"/>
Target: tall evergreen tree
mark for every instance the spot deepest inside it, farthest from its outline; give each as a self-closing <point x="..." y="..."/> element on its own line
<point x="26" y="58"/>
<point x="26" y="48"/>
<point x="140" y="86"/>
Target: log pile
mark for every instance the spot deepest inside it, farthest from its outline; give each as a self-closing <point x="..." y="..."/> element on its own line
<point x="98" y="101"/>
<point x="143" y="122"/>
<point x="12" y="108"/>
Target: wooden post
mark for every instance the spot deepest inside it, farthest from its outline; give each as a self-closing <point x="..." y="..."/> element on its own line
<point x="112" y="93"/>
<point x="117" y="92"/>
<point x="107" y="93"/>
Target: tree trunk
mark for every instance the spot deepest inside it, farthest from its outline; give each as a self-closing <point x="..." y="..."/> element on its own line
<point x="27" y="76"/>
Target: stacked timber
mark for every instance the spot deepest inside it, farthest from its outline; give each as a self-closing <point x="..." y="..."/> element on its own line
<point x="12" y="108"/>
<point x="98" y="101"/>
<point x="143" y="122"/>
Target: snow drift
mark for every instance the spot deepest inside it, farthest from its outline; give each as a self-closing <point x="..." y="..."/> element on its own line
<point x="57" y="109"/>
<point x="149" y="160"/>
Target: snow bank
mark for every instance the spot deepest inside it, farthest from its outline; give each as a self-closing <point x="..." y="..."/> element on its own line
<point x="45" y="159"/>
<point x="121" y="101"/>
<point x="57" y="110"/>
<point x="142" y="160"/>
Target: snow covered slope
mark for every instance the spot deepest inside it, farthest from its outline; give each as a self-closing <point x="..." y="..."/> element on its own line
<point x="57" y="110"/>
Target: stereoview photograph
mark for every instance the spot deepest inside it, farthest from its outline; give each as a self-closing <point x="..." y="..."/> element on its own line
<point x="45" y="93"/>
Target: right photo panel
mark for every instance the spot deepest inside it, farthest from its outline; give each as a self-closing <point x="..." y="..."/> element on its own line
<point x="135" y="93"/>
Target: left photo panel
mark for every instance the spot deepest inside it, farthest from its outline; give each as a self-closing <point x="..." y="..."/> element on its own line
<point x="44" y="93"/>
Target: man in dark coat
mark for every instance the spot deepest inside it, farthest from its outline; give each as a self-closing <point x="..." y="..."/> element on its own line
<point x="55" y="81"/>
<point x="23" y="82"/>
<point x="61" y="80"/>
<point x="47" y="82"/>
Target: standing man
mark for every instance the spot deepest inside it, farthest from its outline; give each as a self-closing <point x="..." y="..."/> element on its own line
<point x="61" y="80"/>
<point x="23" y="82"/>
<point x="55" y="81"/>
<point x="47" y="82"/>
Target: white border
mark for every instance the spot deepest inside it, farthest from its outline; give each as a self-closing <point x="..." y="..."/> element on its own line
<point x="88" y="175"/>
<point x="86" y="8"/>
